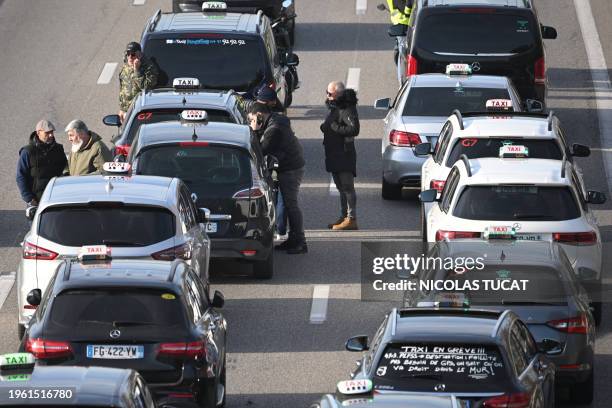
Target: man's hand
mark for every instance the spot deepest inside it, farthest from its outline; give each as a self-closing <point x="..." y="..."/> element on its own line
<point x="33" y="203"/>
<point x="121" y="116"/>
<point x="136" y="64"/>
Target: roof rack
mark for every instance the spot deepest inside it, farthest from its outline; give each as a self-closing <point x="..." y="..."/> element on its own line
<point x="551" y="115"/>
<point x="68" y="263"/>
<point x="563" y="163"/>
<point x="175" y="265"/>
<point x="154" y="20"/>
<point x="466" y="161"/>
<point x="505" y="113"/>
<point x="500" y="320"/>
<point x="457" y="113"/>
<point x="394" y="314"/>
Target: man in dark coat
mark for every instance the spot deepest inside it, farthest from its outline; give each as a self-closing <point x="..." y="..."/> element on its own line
<point x="39" y="161"/>
<point x="339" y="131"/>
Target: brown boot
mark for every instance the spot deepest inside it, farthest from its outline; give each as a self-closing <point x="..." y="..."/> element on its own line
<point x="347" y="224"/>
<point x="338" y="222"/>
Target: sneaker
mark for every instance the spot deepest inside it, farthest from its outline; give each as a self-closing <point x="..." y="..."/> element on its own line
<point x="298" y="249"/>
<point x="338" y="221"/>
<point x="281" y="237"/>
<point x="346" y="225"/>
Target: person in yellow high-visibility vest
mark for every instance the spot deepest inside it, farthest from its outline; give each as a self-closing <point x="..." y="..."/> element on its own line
<point x="399" y="11"/>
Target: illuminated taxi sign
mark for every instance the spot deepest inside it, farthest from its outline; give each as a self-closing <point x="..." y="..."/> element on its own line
<point x="498" y="105"/>
<point x="513" y="151"/>
<point x="94" y="253"/>
<point x="499" y="232"/>
<point x="458" y="69"/>
<point x="194" y="115"/>
<point x="16" y="361"/>
<point x="351" y="387"/>
<point x="185" y="83"/>
<point x="116" y="167"/>
<point x="214" y="6"/>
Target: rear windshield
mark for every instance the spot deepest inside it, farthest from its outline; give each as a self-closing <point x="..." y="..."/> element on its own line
<point x="168" y="115"/>
<point x="475" y="148"/>
<point x="137" y="310"/>
<point x="114" y="225"/>
<point x="474" y="32"/>
<point x="424" y="101"/>
<point x="520" y="203"/>
<point x="219" y="62"/>
<point x="209" y="171"/>
<point x="461" y="367"/>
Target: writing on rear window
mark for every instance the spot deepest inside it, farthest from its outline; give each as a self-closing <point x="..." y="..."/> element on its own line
<point x="205" y="41"/>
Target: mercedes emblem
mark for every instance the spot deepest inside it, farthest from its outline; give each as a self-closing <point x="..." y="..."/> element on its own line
<point x="115" y="333"/>
<point x="475" y="66"/>
<point x="439" y="387"/>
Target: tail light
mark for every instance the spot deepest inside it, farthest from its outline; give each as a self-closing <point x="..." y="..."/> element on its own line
<point x="182" y="251"/>
<point x="122" y="150"/>
<point x="515" y="400"/>
<point x="539" y="71"/>
<point x="253" y="192"/>
<point x="404" y="139"/>
<point x="31" y="251"/>
<point x="437" y="184"/>
<point x="578" y="324"/>
<point x="576" y="238"/>
<point x="249" y="252"/>
<point x="192" y="350"/>
<point x="412" y="66"/>
<point x="442" y="235"/>
<point x="45" y="349"/>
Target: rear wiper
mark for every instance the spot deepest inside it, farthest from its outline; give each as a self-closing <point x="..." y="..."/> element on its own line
<point x="122" y="242"/>
<point x="126" y="323"/>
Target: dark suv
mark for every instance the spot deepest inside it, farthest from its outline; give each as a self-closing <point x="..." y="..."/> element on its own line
<point x="496" y="38"/>
<point x="223" y="50"/>
<point x="151" y="316"/>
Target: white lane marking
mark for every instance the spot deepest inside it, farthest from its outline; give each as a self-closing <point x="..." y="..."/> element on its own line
<point x="318" y="311"/>
<point x="598" y="149"/>
<point x="365" y="233"/>
<point x="6" y="284"/>
<point x="599" y="75"/>
<point x="352" y="78"/>
<point x="139" y="2"/>
<point x="361" y="6"/>
<point x="107" y="73"/>
<point x="332" y="187"/>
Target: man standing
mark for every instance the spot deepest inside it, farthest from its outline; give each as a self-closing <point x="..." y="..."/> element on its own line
<point x="339" y="130"/>
<point x="39" y="161"/>
<point x="279" y="140"/>
<point x="88" y="152"/>
<point x="137" y="74"/>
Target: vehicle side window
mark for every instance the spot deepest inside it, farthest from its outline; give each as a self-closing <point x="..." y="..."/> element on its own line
<point x="194" y="295"/>
<point x="449" y="189"/>
<point x="44" y="302"/>
<point x="579" y="190"/>
<point x="399" y="96"/>
<point x="191" y="207"/>
<point x="185" y="208"/>
<point x="520" y="361"/>
<point x="271" y="46"/>
<point x="374" y="346"/>
<point x="442" y="143"/>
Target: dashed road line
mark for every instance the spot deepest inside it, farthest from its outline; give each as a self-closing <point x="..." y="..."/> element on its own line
<point x="107" y="73"/>
<point x="139" y="2"/>
<point x="332" y="187"/>
<point x="6" y="284"/>
<point x="320" y="297"/>
<point x="352" y="78"/>
<point x="361" y="6"/>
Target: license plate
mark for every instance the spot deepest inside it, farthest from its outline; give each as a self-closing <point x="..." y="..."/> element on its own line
<point x="529" y="237"/>
<point x="115" y="352"/>
<point x="211" y="227"/>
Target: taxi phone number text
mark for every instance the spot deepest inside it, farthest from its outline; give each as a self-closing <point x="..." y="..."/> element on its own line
<point x="40" y="393"/>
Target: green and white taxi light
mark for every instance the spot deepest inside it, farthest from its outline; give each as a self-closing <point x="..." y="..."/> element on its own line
<point x="186" y="83"/>
<point x="16" y="361"/>
<point x="214" y="6"/>
<point x="499" y="232"/>
<point x="499" y="105"/>
<point x="458" y="69"/>
<point x="509" y="151"/>
<point x="352" y="387"/>
<point x="94" y="253"/>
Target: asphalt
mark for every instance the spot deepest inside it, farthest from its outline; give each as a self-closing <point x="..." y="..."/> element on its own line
<point x="53" y="52"/>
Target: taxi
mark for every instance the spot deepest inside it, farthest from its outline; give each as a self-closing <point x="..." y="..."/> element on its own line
<point x="22" y="383"/>
<point x="420" y="109"/>
<point x="517" y="198"/>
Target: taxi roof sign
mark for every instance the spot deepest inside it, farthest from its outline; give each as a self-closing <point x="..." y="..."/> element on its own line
<point x="16" y="361"/>
<point x="458" y="69"/>
<point x="186" y="83"/>
<point x="214" y="5"/>
<point x="194" y="115"/>
<point x="116" y="167"/>
<point x="499" y="105"/>
<point x="350" y="387"/>
<point x="499" y="232"/>
<point x="513" y="151"/>
<point x="94" y="253"/>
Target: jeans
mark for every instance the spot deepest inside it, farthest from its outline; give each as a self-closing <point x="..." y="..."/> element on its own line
<point x="281" y="214"/>
<point x="345" y="183"/>
<point x="289" y="186"/>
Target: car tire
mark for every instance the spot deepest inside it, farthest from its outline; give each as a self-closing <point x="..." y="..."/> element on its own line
<point x="264" y="269"/>
<point x="391" y="191"/>
<point x="423" y="224"/>
<point x="175" y="6"/>
<point x="582" y="393"/>
<point x="288" y="99"/>
<point x="20" y="330"/>
<point x="222" y="381"/>
<point x="596" y="310"/>
<point x="208" y="393"/>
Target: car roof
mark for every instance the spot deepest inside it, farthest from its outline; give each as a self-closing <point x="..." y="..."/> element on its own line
<point x="390" y="400"/>
<point x="492" y="3"/>
<point x="200" y="22"/>
<point x="151" y="190"/>
<point x="212" y="132"/>
<point x="493" y="170"/>
<point x="169" y="98"/>
<point x="503" y="124"/>
<point x="451" y="81"/>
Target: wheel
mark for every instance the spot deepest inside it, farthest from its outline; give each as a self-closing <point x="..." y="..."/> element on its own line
<point x="391" y="191"/>
<point x="582" y="393"/>
<point x="264" y="269"/>
<point x="207" y="397"/>
<point x="423" y="224"/>
<point x="175" y="6"/>
<point x="20" y="330"/>
<point x="596" y="310"/>
<point x="222" y="381"/>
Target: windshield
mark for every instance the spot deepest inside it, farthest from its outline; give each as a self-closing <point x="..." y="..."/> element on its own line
<point x="516" y="203"/>
<point x="472" y="32"/>
<point x="425" y="101"/>
<point x="113" y="225"/>
<point x="475" y="148"/>
<point x="219" y="62"/>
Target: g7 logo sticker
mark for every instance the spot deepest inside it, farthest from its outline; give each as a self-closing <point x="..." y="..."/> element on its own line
<point x="381" y="371"/>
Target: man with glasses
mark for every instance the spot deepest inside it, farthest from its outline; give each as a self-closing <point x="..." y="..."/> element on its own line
<point x="137" y="74"/>
<point x="39" y="161"/>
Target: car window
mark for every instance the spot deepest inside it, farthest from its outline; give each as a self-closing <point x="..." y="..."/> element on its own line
<point x="400" y="95"/>
<point x="187" y="207"/>
<point x="449" y="189"/>
<point x="374" y="346"/>
<point x="193" y="296"/>
<point x="436" y="101"/>
<point x="443" y="139"/>
<point x="526" y="341"/>
<point x="516" y="357"/>
<point x="516" y="203"/>
<point x="579" y="191"/>
<point x="112" y="224"/>
<point x="475" y="148"/>
<point x="270" y="44"/>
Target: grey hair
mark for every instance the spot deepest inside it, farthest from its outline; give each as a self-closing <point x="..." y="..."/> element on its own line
<point x="338" y="85"/>
<point x="77" y="125"/>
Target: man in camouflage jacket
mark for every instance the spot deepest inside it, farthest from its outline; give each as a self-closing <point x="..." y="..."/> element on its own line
<point x="137" y="74"/>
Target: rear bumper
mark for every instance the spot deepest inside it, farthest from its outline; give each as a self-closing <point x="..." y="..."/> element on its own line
<point x="401" y="166"/>
<point x="231" y="248"/>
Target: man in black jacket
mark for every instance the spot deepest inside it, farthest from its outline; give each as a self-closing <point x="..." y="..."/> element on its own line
<point x="277" y="139"/>
<point x="339" y="131"/>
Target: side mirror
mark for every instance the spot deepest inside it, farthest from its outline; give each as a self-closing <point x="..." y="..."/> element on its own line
<point x="382" y="104"/>
<point x="595" y="197"/>
<point x="579" y="150"/>
<point x="429" y="196"/>
<point x="111" y="120"/>
<point x="292" y="60"/>
<point x="422" y="149"/>
<point x="534" y="106"/>
<point x="34" y="297"/>
<point x="204" y="214"/>
<point x="549" y="33"/>
<point x="397" y="30"/>
<point x="271" y="162"/>
<point x="357" y="343"/>
<point x="218" y="300"/>
<point x="548" y="345"/>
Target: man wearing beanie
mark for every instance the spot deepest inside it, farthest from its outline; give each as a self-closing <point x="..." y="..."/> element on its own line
<point x="137" y="74"/>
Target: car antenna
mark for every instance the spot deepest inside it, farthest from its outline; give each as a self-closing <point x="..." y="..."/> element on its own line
<point x="502" y="257"/>
<point x="184" y="101"/>
<point x="194" y="137"/>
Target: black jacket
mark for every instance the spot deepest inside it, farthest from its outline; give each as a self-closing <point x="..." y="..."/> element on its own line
<point x="279" y="140"/>
<point x="339" y="129"/>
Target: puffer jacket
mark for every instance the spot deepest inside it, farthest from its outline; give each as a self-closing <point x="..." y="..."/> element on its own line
<point x="340" y="128"/>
